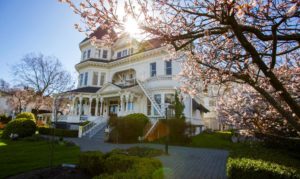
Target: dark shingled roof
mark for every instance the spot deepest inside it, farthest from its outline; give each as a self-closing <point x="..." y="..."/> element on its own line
<point x="88" y="89"/>
<point x="99" y="33"/>
<point x="199" y="106"/>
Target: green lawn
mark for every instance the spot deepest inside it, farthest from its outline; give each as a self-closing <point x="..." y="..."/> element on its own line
<point x="20" y="156"/>
<point x="254" y="151"/>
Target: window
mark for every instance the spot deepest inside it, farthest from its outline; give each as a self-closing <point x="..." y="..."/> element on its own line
<point x="102" y="79"/>
<point x="119" y="54"/>
<point x="86" y="78"/>
<point x="99" y="53"/>
<point x="124" y="53"/>
<point x="95" y="78"/>
<point x="152" y="69"/>
<point x="80" y="79"/>
<point x="84" y="55"/>
<point x="157" y="98"/>
<point x="104" y="55"/>
<point x="168" y="65"/>
<point x="148" y="107"/>
<point x="89" y="54"/>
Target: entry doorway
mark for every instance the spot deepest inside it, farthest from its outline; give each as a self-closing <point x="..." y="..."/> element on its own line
<point x="113" y="108"/>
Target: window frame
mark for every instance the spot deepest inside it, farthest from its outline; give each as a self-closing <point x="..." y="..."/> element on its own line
<point x="102" y="78"/>
<point x="168" y="68"/>
<point x="105" y="54"/>
<point x="95" y="80"/>
<point x="86" y="76"/>
<point x="89" y="53"/>
<point x="153" y="72"/>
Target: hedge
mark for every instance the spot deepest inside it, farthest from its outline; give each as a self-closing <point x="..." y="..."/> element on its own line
<point x="127" y="129"/>
<point x="21" y="126"/>
<point x="112" y="165"/>
<point x="250" y="169"/>
<point x="4" y="119"/>
<point x="273" y="141"/>
<point x="58" y="132"/>
<point x="27" y="115"/>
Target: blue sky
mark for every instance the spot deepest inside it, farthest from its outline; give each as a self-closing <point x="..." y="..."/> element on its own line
<point x="40" y="26"/>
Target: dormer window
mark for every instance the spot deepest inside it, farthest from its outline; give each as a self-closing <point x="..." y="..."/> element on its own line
<point x="89" y="54"/>
<point x="104" y="55"/>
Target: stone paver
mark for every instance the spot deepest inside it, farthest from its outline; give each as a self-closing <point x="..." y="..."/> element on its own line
<point x="181" y="163"/>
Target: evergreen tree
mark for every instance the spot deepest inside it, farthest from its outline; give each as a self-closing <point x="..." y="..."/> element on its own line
<point x="179" y="107"/>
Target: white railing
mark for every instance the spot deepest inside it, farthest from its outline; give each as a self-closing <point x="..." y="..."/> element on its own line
<point x="69" y="118"/>
<point x="153" y="102"/>
<point x="93" y="127"/>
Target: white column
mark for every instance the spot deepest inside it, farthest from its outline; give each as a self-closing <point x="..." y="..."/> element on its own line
<point x="96" y="111"/>
<point x="74" y="106"/>
<point x="127" y="98"/>
<point x="121" y="104"/>
<point x="90" y="108"/>
<point x="101" y="106"/>
<point x="80" y="105"/>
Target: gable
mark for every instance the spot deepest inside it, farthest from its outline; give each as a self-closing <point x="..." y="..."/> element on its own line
<point x="109" y="88"/>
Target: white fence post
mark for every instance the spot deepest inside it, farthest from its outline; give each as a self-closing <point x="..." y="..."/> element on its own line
<point x="80" y="132"/>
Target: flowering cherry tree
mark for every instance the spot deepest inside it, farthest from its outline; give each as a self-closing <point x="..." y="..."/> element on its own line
<point x="251" y="42"/>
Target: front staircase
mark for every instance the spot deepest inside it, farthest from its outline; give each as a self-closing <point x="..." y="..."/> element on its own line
<point x="92" y="128"/>
<point x="154" y="104"/>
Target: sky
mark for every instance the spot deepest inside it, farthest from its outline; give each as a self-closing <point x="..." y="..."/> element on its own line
<point x="38" y="26"/>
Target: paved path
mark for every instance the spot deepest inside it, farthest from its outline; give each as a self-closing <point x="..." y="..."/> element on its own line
<point x="182" y="163"/>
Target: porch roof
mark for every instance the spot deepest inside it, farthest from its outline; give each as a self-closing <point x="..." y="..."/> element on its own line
<point x="199" y="106"/>
<point x="88" y="89"/>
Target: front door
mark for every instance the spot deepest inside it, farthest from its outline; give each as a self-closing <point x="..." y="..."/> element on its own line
<point x="113" y="108"/>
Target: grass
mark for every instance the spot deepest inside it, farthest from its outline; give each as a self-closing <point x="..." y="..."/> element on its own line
<point x="21" y="156"/>
<point x="252" y="151"/>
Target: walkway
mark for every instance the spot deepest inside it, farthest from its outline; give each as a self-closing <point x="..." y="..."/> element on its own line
<point x="183" y="162"/>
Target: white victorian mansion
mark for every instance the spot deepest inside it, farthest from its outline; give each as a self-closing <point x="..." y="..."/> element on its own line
<point x="131" y="77"/>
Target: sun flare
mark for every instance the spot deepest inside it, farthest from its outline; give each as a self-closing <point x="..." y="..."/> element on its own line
<point x="131" y="26"/>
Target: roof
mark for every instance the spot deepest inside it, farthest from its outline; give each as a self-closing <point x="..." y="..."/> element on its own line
<point x="99" y="33"/>
<point x="199" y="106"/>
<point x="88" y="89"/>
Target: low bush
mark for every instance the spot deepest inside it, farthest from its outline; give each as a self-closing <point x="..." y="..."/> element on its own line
<point x="27" y="115"/>
<point x="91" y="162"/>
<point x="84" y="123"/>
<point x="58" y="132"/>
<point x="114" y="165"/>
<point x="127" y="129"/>
<point x="4" y="119"/>
<point x="249" y="168"/>
<point x="21" y="126"/>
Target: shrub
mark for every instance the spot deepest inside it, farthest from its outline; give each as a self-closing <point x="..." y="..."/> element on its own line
<point x="248" y="168"/>
<point x="4" y="119"/>
<point x="273" y="141"/>
<point x="21" y="126"/>
<point x="84" y="123"/>
<point x="91" y="162"/>
<point x="178" y="131"/>
<point x="127" y="129"/>
<point x="58" y="132"/>
<point x="115" y="165"/>
<point x="27" y="115"/>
